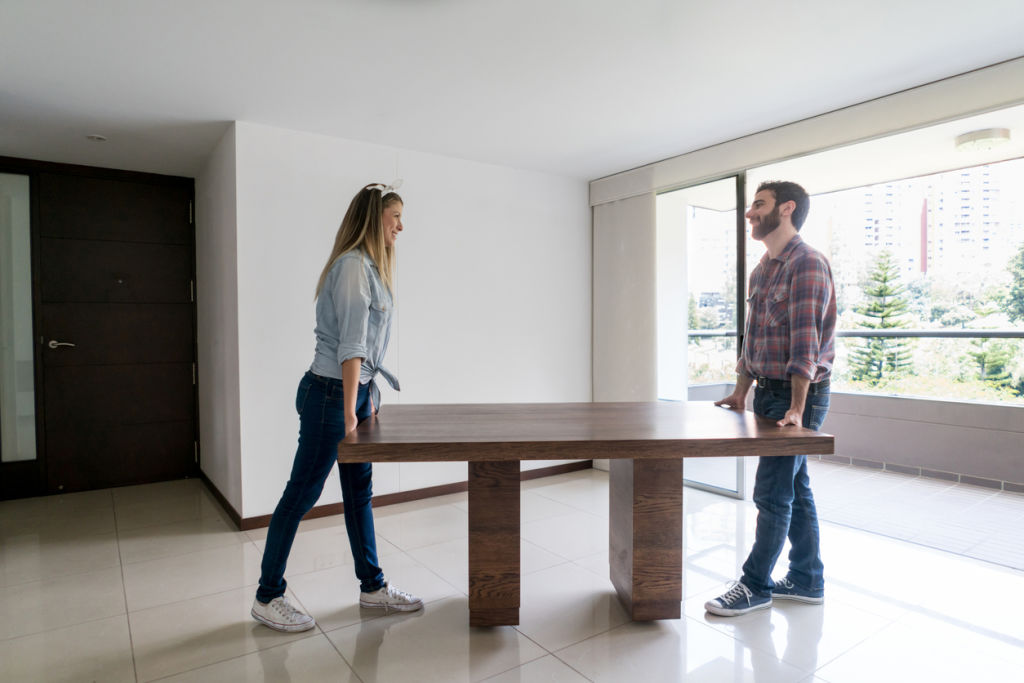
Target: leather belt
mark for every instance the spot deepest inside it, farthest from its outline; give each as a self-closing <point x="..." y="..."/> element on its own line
<point x="785" y="384"/>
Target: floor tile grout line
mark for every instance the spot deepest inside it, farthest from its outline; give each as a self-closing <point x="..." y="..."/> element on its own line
<point x="59" y="577"/>
<point x="185" y="553"/>
<point x="582" y="675"/>
<point x="335" y="647"/>
<point x="194" y="597"/>
<point x="63" y="626"/>
<point x="124" y="588"/>
<point x="229" y="659"/>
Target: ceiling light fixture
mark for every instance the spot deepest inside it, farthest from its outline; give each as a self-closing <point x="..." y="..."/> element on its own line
<point x="96" y="138"/>
<point x="982" y="140"/>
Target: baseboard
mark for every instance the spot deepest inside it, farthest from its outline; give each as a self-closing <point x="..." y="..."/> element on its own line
<point x="925" y="472"/>
<point x="245" y="524"/>
<point x="229" y="509"/>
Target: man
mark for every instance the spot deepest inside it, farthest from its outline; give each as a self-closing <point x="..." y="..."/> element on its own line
<point x="788" y="352"/>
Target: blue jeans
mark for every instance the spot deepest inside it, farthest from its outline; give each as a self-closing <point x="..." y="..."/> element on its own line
<point x="321" y="426"/>
<point x="785" y="505"/>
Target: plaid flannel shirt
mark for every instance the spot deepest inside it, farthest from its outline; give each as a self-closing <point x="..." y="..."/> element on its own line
<point x="791" y="316"/>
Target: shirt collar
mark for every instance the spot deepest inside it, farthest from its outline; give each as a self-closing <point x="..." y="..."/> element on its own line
<point x="787" y="251"/>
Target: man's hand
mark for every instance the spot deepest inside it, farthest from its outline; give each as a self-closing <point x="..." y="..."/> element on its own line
<point x="792" y="417"/>
<point x="734" y="401"/>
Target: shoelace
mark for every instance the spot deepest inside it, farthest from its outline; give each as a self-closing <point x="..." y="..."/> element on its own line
<point x="284" y="608"/>
<point x="396" y="594"/>
<point x="737" y="591"/>
<point x="785" y="583"/>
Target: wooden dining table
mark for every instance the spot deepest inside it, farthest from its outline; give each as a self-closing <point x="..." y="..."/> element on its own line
<point x="645" y="444"/>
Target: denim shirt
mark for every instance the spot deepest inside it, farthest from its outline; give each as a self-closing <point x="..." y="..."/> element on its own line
<point x="353" y="320"/>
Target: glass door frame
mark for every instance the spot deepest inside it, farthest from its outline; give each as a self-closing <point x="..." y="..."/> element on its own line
<point x="740" y="304"/>
<point x="24" y="478"/>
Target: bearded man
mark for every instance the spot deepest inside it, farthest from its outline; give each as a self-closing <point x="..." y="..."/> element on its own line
<point x="787" y="351"/>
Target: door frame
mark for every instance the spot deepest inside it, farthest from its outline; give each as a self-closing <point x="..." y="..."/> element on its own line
<point x="740" y="188"/>
<point x="28" y="478"/>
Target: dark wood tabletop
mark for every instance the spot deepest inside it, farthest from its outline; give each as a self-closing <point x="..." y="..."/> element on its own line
<point x="565" y="431"/>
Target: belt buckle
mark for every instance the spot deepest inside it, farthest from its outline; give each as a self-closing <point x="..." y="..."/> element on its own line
<point x="762" y="383"/>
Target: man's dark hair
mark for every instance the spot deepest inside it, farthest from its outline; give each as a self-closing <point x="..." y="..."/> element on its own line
<point x="786" y="191"/>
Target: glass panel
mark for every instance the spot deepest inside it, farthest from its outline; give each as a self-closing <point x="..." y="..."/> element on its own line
<point x="17" y="392"/>
<point x="985" y="370"/>
<point x="696" y="228"/>
<point x="924" y="255"/>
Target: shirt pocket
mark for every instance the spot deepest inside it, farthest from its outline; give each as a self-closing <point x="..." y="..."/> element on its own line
<point x="777" y="308"/>
<point x="380" y="318"/>
<point x="752" y="299"/>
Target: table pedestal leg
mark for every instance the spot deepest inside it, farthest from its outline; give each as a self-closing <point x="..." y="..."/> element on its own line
<point x="494" y="543"/>
<point x="646" y="536"/>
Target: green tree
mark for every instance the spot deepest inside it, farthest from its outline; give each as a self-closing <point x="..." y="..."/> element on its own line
<point x="885" y="308"/>
<point x="993" y="360"/>
<point x="1013" y="303"/>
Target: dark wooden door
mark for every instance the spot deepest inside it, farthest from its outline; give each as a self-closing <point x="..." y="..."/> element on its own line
<point x="116" y="329"/>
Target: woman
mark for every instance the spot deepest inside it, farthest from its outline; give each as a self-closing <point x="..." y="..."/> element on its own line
<point x="353" y="322"/>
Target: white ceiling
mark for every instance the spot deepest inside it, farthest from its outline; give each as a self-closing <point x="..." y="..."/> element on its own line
<point x="923" y="151"/>
<point x="582" y="88"/>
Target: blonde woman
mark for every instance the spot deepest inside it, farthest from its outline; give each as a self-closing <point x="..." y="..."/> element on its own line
<point x="353" y="322"/>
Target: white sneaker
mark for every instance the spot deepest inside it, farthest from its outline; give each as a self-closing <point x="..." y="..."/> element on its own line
<point x="281" y="615"/>
<point x="390" y="598"/>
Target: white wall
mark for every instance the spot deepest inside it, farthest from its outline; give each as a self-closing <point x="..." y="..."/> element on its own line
<point x="493" y="300"/>
<point x="217" y="319"/>
<point x="625" y="301"/>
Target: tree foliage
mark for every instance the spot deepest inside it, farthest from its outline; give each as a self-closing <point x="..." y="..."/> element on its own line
<point x="1013" y="302"/>
<point x="885" y="308"/>
<point x="993" y="360"/>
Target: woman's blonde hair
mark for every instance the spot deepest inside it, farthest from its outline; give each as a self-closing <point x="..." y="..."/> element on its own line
<point x="363" y="227"/>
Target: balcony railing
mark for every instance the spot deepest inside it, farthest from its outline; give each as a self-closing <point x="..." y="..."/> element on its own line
<point x="895" y="333"/>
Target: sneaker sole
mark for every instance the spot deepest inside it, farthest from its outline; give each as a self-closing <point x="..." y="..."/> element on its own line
<point x="726" y="612"/>
<point x="287" y="628"/>
<point x="398" y="608"/>
<point x="800" y="598"/>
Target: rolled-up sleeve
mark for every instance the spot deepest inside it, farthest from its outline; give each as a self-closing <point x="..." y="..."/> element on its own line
<point x="352" y="306"/>
<point x="810" y="295"/>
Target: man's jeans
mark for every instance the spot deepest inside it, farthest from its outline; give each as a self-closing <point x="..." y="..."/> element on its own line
<point x="785" y="505"/>
<point x="321" y="426"/>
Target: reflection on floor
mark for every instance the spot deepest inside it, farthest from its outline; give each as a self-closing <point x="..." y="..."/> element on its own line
<point x="151" y="582"/>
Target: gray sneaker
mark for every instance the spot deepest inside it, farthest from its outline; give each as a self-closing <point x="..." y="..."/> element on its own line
<point x="281" y="615"/>
<point x="787" y="590"/>
<point x="390" y="598"/>
<point x="736" y="601"/>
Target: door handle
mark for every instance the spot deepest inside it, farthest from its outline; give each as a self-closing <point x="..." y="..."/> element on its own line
<point x="54" y="344"/>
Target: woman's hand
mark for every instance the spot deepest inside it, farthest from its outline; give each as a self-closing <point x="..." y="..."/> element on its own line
<point x="351" y="422"/>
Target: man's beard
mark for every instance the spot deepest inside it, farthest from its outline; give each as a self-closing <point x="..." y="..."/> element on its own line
<point x="766" y="225"/>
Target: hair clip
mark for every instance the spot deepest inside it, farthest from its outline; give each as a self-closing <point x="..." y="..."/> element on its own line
<point x="384" y="189"/>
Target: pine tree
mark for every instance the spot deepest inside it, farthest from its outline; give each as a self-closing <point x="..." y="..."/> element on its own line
<point x="880" y="357"/>
<point x="1014" y="303"/>
<point x="993" y="360"/>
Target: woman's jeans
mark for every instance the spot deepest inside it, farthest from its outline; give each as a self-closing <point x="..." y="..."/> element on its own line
<point x="785" y="505"/>
<point x="321" y="426"/>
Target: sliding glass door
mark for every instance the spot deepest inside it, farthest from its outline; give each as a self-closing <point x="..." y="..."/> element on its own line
<point x="700" y="243"/>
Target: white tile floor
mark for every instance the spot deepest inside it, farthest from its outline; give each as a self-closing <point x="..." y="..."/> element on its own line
<point x="152" y="583"/>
